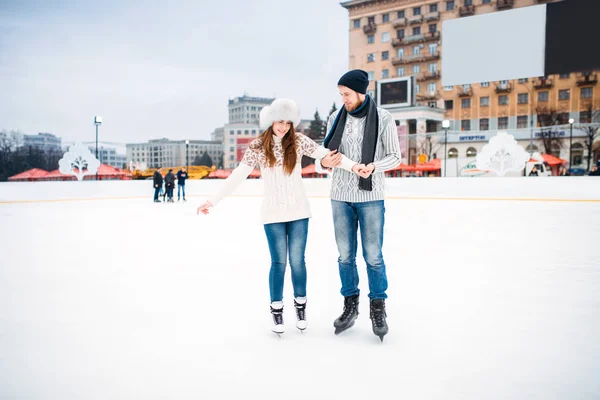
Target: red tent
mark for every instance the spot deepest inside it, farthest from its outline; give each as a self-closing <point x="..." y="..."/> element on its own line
<point x="255" y="174"/>
<point x="30" y="175"/>
<point x="105" y="172"/>
<point x="552" y="161"/>
<point x="219" y="174"/>
<point x="310" y="171"/>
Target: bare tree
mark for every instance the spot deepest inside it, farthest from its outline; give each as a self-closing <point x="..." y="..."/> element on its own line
<point x="548" y="118"/>
<point x="431" y="145"/>
<point x="592" y="132"/>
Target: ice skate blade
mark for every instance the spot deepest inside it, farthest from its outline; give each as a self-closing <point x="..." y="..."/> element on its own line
<point x="340" y="330"/>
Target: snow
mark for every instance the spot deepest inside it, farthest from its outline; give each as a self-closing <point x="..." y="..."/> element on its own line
<point x="494" y="293"/>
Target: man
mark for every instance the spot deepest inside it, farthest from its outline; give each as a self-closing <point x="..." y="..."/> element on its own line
<point x="595" y="171"/>
<point x="182" y="176"/>
<point x="158" y="182"/>
<point x="366" y="134"/>
<point x="169" y="185"/>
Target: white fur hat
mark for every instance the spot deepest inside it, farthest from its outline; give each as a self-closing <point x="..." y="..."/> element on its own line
<point x="280" y="110"/>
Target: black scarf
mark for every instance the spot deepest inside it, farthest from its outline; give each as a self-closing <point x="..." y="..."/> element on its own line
<point x="334" y="137"/>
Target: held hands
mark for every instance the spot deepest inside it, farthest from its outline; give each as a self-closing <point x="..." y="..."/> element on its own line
<point x="333" y="159"/>
<point x="364" y="171"/>
<point x="204" y="208"/>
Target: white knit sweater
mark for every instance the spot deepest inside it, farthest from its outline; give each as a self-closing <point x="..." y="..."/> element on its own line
<point x="284" y="196"/>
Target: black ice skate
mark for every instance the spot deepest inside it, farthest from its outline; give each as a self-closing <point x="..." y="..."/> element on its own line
<point x="378" y="315"/>
<point x="300" y="305"/>
<point x="277" y="314"/>
<point x="349" y="315"/>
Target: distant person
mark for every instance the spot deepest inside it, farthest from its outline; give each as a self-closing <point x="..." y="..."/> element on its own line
<point x="534" y="171"/>
<point x="170" y="185"/>
<point x="158" y="182"/>
<point x="595" y="171"/>
<point x="564" y="171"/>
<point x="182" y="176"/>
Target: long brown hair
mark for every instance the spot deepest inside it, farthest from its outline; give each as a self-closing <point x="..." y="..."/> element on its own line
<point x="288" y="145"/>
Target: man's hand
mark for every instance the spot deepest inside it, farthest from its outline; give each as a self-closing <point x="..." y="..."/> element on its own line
<point x="364" y="171"/>
<point x="333" y="159"/>
<point x="204" y="208"/>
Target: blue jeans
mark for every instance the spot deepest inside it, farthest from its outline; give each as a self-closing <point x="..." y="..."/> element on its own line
<point x="156" y="192"/>
<point x="287" y="237"/>
<point x="180" y="188"/>
<point x="347" y="218"/>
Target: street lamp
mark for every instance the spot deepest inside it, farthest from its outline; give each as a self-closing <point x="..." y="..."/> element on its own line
<point x="97" y="122"/>
<point x="445" y="125"/>
<point x="187" y="162"/>
<point x="571" y="121"/>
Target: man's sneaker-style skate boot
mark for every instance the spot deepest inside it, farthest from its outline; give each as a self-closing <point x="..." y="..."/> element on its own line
<point x="300" y="305"/>
<point x="277" y="314"/>
<point x="349" y="315"/>
<point x="378" y="315"/>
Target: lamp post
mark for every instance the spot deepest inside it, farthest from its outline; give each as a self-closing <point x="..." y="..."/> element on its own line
<point x="187" y="159"/>
<point x="571" y="121"/>
<point x="445" y="126"/>
<point x="97" y="122"/>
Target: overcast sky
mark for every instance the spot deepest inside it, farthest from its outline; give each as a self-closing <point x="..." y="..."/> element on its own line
<point x="157" y="69"/>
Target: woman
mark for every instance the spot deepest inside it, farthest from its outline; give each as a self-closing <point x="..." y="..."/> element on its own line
<point x="285" y="207"/>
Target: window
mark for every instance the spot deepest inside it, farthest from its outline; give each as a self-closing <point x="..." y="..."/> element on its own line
<point x="585" y="117"/>
<point x="453" y="153"/>
<point x="468" y="2"/>
<point x="232" y="149"/>
<point x="503" y="123"/>
<point x="417" y="11"/>
<point x="503" y="100"/>
<point x="432" y="68"/>
<point x="357" y="23"/>
<point x="385" y="55"/>
<point x="400" y="71"/>
<point x="484" y="124"/>
<point x="385" y="37"/>
<point x="465" y="125"/>
<point x="586" y="93"/>
<point x="385" y="74"/>
<point x="523" y="98"/>
<point x="418" y="88"/>
<point x="416" y="50"/>
<point x="433" y="8"/>
<point x="371" y="20"/>
<point x="577" y="153"/>
<point x="485" y="84"/>
<point x="523" y="80"/>
<point x="400" y="53"/>
<point x="448" y="88"/>
<point x="417" y="30"/>
<point x="231" y="132"/>
<point x="433" y="49"/>
<point x="450" y="5"/>
<point x="471" y="152"/>
<point x="521" y="121"/>
<point x="449" y="104"/>
<point x="543" y="96"/>
<point x="370" y="39"/>
<point x="400" y="33"/>
<point x="466" y="87"/>
<point x="431" y="87"/>
<point x="564" y="94"/>
<point x="416" y="69"/>
<point x="563" y="118"/>
<point x="433" y="28"/>
<point x="466" y="103"/>
<point x="565" y="76"/>
<point x="371" y="57"/>
<point x="486" y="1"/>
<point x="371" y="75"/>
<point x="385" y="18"/>
<point x="484" y="101"/>
<point x="401" y="14"/>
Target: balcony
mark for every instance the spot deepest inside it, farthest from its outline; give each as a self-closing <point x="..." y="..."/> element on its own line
<point x="428" y="96"/>
<point x="505" y="4"/>
<point x="466" y="10"/>
<point x="504" y="88"/>
<point x="587" y="79"/>
<point x="462" y="92"/>
<point x="431" y="56"/>
<point x="543" y="83"/>
<point x="397" y="42"/>
<point x="422" y="37"/>
<point x="399" y="23"/>
<point x="415" y="20"/>
<point x="433" y="16"/>
<point x="429" y="76"/>
<point x="370" y="28"/>
<point x="413" y="38"/>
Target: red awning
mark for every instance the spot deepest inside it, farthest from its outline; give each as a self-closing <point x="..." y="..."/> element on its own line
<point x="255" y="174"/>
<point x="29" y="175"/>
<point x="219" y="174"/>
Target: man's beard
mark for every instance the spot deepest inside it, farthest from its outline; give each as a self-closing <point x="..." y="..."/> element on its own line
<point x="353" y="106"/>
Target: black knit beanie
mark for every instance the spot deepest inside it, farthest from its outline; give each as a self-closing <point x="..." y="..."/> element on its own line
<point x="357" y="80"/>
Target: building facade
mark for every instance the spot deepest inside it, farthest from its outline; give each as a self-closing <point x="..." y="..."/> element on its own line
<point x="109" y="156"/>
<point x="45" y="141"/>
<point x="395" y="38"/>
<point x="171" y="153"/>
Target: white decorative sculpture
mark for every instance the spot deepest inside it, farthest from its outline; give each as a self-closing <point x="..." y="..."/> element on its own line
<point x="78" y="161"/>
<point x="502" y="154"/>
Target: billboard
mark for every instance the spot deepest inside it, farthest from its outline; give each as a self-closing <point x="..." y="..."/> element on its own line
<point x="396" y="92"/>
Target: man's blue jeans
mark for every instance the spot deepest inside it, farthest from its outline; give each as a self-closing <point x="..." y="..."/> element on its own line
<point x="347" y="218"/>
<point x="180" y="188"/>
<point x="287" y="238"/>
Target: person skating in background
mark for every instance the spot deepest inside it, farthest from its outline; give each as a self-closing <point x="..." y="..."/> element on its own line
<point x="170" y="185"/>
<point x="157" y="182"/>
<point x="182" y="176"/>
<point x="285" y="208"/>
